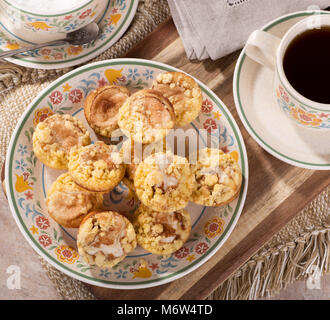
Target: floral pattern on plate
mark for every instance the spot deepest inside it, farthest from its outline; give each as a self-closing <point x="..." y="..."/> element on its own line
<point x="28" y="181"/>
<point x="113" y="23"/>
<point x="57" y="24"/>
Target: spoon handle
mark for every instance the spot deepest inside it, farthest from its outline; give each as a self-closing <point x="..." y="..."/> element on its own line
<point x="11" y="53"/>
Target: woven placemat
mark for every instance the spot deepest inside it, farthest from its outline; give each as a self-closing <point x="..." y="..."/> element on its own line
<point x="299" y="250"/>
<point x="289" y="256"/>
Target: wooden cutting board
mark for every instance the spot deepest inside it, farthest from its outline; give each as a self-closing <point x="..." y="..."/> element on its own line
<point x="277" y="192"/>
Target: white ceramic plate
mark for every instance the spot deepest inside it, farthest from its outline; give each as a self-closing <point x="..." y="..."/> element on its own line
<point x="115" y="20"/>
<point x="265" y="121"/>
<point x="27" y="181"/>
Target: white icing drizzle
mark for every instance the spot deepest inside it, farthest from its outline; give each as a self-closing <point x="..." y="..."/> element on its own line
<point x="168" y="239"/>
<point x="168" y="182"/>
<point x="163" y="161"/>
<point x="215" y="170"/>
<point x="116" y="158"/>
<point x="114" y="249"/>
<point x="171" y="221"/>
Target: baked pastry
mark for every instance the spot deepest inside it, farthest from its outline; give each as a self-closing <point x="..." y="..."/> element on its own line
<point x="218" y="177"/>
<point x="184" y="94"/>
<point x="161" y="232"/>
<point x="164" y="182"/>
<point x="68" y="204"/>
<point x="101" y="108"/>
<point x="55" y="136"/>
<point x="97" y="167"/>
<point x="133" y="153"/>
<point x="105" y="238"/>
<point x="146" y="116"/>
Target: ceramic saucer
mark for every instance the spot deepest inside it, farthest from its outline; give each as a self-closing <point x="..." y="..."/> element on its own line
<point x="113" y="23"/>
<point x="266" y="122"/>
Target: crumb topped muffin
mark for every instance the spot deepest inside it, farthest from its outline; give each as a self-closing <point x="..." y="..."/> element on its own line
<point x="218" y="178"/>
<point x="133" y="153"/>
<point x="146" y="116"/>
<point x="68" y="204"/>
<point x="54" y="137"/>
<point x="97" y="167"/>
<point x="101" y="108"/>
<point x="183" y="92"/>
<point x="161" y="232"/>
<point x="105" y="238"/>
<point x="164" y="182"/>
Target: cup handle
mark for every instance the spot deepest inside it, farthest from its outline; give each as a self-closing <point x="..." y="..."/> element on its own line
<point x="262" y="48"/>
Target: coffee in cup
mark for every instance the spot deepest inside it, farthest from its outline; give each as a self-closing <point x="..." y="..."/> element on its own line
<point x="306" y="64"/>
<point x="301" y="66"/>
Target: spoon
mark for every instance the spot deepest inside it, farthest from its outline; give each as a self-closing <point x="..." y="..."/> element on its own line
<point x="79" y="37"/>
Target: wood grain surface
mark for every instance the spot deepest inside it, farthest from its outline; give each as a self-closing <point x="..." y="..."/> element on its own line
<point x="277" y="191"/>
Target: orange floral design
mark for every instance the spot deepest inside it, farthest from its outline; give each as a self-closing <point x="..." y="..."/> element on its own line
<point x="235" y="155"/>
<point x="115" y="18"/>
<point x="191" y="258"/>
<point x="66" y="87"/>
<point x="74" y="50"/>
<point x="41" y="114"/>
<point x="217" y="115"/>
<point x="113" y="75"/>
<point x="278" y="94"/>
<point x="39" y="25"/>
<point x="34" y="230"/>
<point x="12" y="46"/>
<point x="22" y="184"/>
<point x="305" y="118"/>
<point x="66" y="254"/>
<point x="214" y="227"/>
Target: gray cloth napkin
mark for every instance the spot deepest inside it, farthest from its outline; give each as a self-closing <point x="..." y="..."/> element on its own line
<point x="215" y="28"/>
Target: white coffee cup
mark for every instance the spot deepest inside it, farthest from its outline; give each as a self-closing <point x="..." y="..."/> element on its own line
<point x="269" y="51"/>
<point x="37" y="25"/>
